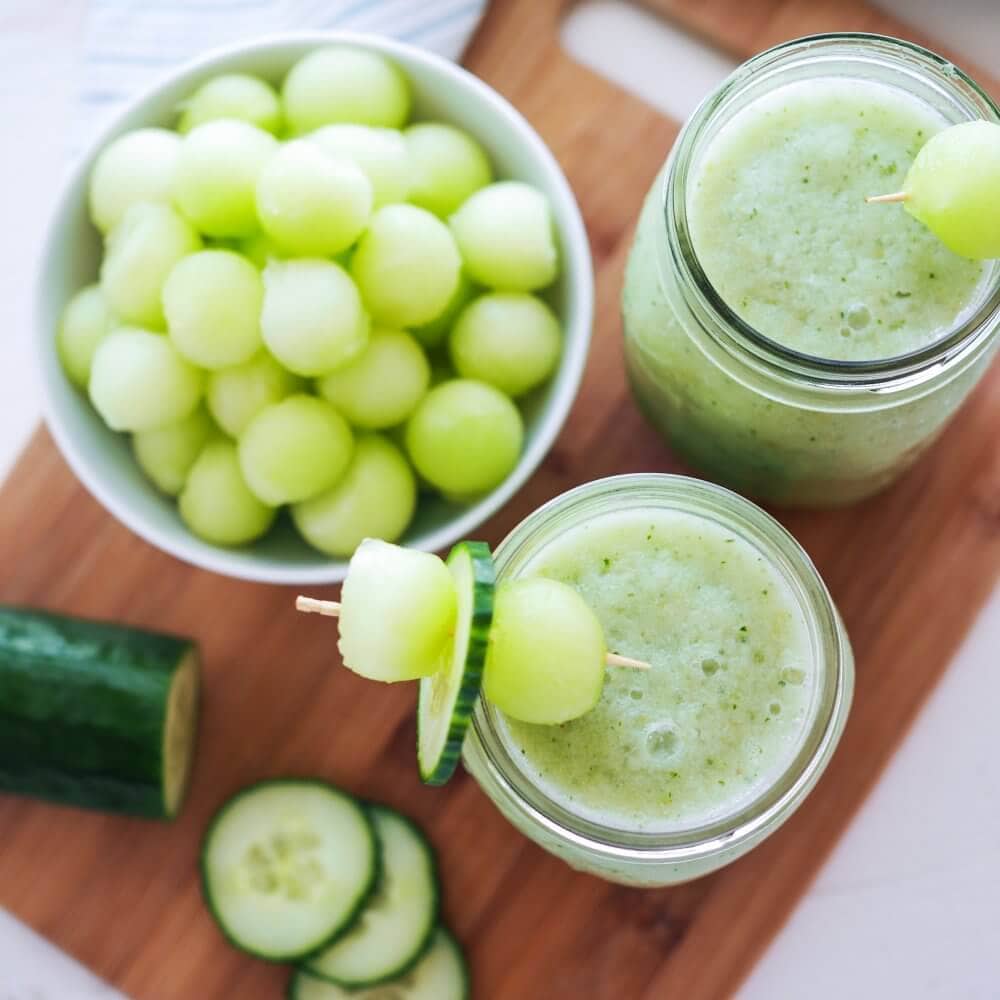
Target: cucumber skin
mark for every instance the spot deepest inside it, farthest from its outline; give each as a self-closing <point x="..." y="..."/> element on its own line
<point x="82" y="710"/>
<point x="349" y="920"/>
<point x="403" y="967"/>
<point x="484" y="585"/>
<point x="301" y="973"/>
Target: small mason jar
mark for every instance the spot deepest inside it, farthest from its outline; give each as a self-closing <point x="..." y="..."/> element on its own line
<point x="635" y="856"/>
<point x="760" y="417"/>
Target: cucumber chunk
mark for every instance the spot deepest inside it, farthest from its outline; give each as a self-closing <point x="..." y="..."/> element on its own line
<point x="448" y="697"/>
<point x="96" y="715"/>
<point x="441" y="974"/>
<point x="395" y="927"/>
<point x="287" y="865"/>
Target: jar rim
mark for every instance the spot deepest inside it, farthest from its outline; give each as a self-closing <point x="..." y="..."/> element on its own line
<point x="736" y="335"/>
<point x="831" y="662"/>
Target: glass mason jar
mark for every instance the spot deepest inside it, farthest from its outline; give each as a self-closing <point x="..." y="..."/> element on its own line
<point x="757" y="416"/>
<point x="632" y="856"/>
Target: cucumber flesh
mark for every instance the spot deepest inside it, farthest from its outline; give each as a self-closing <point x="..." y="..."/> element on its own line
<point x="96" y="715"/>
<point x="395" y="927"/>
<point x="441" y="974"/>
<point x="287" y="865"/>
<point x="447" y="698"/>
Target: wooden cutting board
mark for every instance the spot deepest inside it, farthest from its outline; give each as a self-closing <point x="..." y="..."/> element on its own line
<point x="908" y="569"/>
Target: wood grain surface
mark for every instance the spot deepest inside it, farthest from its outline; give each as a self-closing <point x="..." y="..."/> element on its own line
<point x="908" y="569"/>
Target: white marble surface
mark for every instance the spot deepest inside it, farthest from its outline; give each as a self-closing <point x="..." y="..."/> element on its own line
<point x="908" y="906"/>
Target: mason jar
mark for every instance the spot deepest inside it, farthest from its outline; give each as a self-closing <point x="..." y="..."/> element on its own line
<point x="658" y="855"/>
<point x="754" y="414"/>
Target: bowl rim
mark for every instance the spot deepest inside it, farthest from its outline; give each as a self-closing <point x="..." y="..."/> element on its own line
<point x="577" y="261"/>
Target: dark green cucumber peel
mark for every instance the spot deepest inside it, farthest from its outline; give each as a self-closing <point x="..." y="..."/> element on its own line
<point x="435" y="691"/>
<point x="309" y="965"/>
<point x="349" y="918"/>
<point x="303" y="985"/>
<point x="96" y="715"/>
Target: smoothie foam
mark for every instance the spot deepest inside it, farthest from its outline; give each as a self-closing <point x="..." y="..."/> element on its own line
<point x="722" y="711"/>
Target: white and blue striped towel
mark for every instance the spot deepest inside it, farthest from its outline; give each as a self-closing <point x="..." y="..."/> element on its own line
<point x="129" y="43"/>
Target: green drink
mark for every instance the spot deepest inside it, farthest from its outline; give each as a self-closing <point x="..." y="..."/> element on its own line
<point x="721" y="711"/>
<point x="786" y="338"/>
<point x="685" y="766"/>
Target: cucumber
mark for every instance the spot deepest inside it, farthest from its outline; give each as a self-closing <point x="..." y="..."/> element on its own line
<point x="96" y="715"/>
<point x="441" y="974"/>
<point x="448" y="697"/>
<point x="287" y="865"/>
<point x="395" y="927"/>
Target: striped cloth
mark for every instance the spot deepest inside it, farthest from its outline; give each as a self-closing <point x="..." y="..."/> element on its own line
<point x="131" y="42"/>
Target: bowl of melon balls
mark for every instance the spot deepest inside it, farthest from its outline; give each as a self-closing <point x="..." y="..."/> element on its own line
<point x="307" y="291"/>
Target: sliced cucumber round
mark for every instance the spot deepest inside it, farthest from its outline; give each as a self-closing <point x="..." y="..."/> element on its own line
<point x="448" y="697"/>
<point x="395" y="928"/>
<point x="287" y="865"/>
<point x="441" y="974"/>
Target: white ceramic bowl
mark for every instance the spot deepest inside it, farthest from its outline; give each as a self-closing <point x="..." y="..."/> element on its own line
<point x="102" y="459"/>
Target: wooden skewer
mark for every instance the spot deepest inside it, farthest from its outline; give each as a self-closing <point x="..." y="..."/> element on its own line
<point x="885" y="199"/>
<point x="313" y="606"/>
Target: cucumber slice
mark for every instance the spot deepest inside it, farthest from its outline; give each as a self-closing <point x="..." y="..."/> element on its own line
<point x="448" y="697"/>
<point x="441" y="974"/>
<point x="396" y="926"/>
<point x="287" y="865"/>
<point x="96" y="715"/>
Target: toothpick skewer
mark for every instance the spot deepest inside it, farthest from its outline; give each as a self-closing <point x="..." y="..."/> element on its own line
<point x="313" y="606"/>
<point x="885" y="199"/>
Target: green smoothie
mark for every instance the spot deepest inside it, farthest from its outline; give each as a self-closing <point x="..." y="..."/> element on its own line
<point x="777" y="225"/>
<point x="722" y="711"/>
<point x="780" y="225"/>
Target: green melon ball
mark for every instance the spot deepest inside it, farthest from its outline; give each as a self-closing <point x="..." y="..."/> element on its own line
<point x="448" y="165"/>
<point x="232" y="95"/>
<point x="380" y="152"/>
<point x="167" y="454"/>
<point x="138" y="381"/>
<point x="505" y="236"/>
<point x="406" y="266"/>
<point x="511" y="340"/>
<point x="375" y="498"/>
<point x="217" y="172"/>
<point x="434" y="333"/>
<point x="84" y="323"/>
<point x="545" y="662"/>
<point x="465" y="437"/>
<point x="954" y="188"/>
<point x="236" y="395"/>
<point x="141" y="252"/>
<point x="382" y="386"/>
<point x="294" y="450"/>
<point x="259" y="249"/>
<point x="310" y="203"/>
<point x="344" y="83"/>
<point x="414" y="591"/>
<point x="212" y="301"/>
<point x="313" y="319"/>
<point x="135" y="167"/>
<point x="216" y="503"/>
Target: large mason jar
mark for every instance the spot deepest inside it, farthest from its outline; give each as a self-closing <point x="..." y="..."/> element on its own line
<point x="669" y="843"/>
<point x="765" y="417"/>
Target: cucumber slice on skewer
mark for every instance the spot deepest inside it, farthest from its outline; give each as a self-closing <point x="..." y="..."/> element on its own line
<point x="287" y="865"/>
<point x="441" y="974"/>
<point x="448" y="697"/>
<point x="395" y="928"/>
